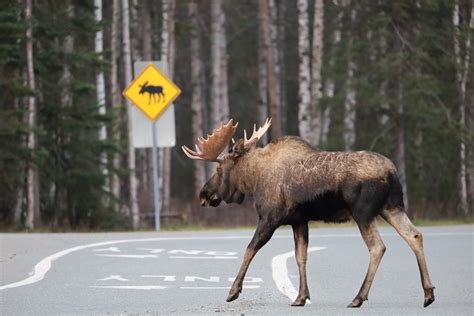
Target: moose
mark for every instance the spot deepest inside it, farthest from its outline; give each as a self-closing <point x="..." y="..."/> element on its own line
<point x="292" y="183"/>
<point x="155" y="92"/>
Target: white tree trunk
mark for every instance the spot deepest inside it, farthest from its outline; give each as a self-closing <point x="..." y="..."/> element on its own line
<point x="115" y="94"/>
<point x="350" y="101"/>
<point x="100" y="82"/>
<point x="167" y="54"/>
<point x="197" y="99"/>
<point x="219" y="89"/>
<point x="462" y="71"/>
<point x="305" y="114"/>
<point x="127" y="59"/>
<point x="316" y="66"/>
<point x="33" y="210"/>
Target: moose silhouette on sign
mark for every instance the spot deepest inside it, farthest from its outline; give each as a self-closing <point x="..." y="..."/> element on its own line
<point x="154" y="92"/>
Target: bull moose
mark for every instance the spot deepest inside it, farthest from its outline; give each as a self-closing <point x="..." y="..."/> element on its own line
<point x="292" y="183"/>
<point x="155" y="92"/>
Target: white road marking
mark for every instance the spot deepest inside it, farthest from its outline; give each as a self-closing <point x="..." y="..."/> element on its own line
<point x="128" y="256"/>
<point x="202" y="257"/>
<point x="130" y="287"/>
<point x="280" y="273"/>
<point x="217" y="287"/>
<point x="151" y="250"/>
<point x="114" y="277"/>
<point x="42" y="267"/>
<point x="111" y="249"/>
<point x="167" y="278"/>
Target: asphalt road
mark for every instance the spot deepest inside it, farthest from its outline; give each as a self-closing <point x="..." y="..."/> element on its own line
<point x="191" y="273"/>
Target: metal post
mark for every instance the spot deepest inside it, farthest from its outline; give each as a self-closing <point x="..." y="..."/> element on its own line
<point x="156" y="191"/>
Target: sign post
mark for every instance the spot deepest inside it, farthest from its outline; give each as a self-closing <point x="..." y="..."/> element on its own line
<point x="152" y="92"/>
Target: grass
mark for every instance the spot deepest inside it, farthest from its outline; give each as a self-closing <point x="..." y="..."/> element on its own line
<point x="199" y="227"/>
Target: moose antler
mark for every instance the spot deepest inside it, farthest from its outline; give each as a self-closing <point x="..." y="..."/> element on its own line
<point x="257" y="134"/>
<point x="211" y="148"/>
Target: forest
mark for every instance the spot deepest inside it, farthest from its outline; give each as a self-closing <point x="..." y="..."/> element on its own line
<point x="394" y="77"/>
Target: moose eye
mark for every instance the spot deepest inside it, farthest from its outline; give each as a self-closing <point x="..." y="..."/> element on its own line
<point x="219" y="171"/>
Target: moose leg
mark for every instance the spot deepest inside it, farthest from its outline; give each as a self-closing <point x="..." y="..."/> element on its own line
<point x="300" y="234"/>
<point x="263" y="234"/>
<point x="402" y="224"/>
<point x="376" y="247"/>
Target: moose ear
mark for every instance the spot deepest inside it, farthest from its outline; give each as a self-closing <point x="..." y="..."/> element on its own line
<point x="239" y="148"/>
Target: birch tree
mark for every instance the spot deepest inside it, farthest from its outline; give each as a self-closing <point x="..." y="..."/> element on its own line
<point x="219" y="90"/>
<point x="33" y="209"/>
<point x="127" y="60"/>
<point x="99" y="79"/>
<point x="304" y="74"/>
<point x="197" y="101"/>
<point x="316" y="66"/>
<point x="114" y="93"/>
<point x="462" y="60"/>
<point x="168" y="55"/>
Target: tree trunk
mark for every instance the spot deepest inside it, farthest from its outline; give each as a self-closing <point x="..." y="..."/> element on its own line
<point x="262" y="106"/>
<point x="115" y="95"/>
<point x="219" y="89"/>
<point x="281" y="30"/>
<point x="275" y="65"/>
<point x="305" y="114"/>
<point x="273" y="81"/>
<point x="127" y="59"/>
<point x="32" y="214"/>
<point x="316" y="66"/>
<point x="350" y="101"/>
<point x="100" y="83"/>
<point x="400" y="150"/>
<point x="18" y="208"/>
<point x="462" y="71"/>
<point x="197" y="102"/>
<point x="330" y="83"/>
<point x="146" y="179"/>
<point x="167" y="54"/>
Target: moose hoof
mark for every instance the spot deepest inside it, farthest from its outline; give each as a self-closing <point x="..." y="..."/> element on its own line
<point x="357" y="302"/>
<point x="233" y="295"/>
<point x="429" y="297"/>
<point x="300" y="301"/>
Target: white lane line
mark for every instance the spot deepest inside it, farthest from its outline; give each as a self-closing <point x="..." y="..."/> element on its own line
<point x="280" y="273"/>
<point x="202" y="257"/>
<point x="128" y="256"/>
<point x="131" y="287"/>
<point x="42" y="267"/>
<point x="216" y="287"/>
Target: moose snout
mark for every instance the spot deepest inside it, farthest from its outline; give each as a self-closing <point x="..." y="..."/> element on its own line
<point x="212" y="200"/>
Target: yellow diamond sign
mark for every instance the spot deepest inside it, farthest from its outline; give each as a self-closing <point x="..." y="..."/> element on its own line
<point x="152" y="92"/>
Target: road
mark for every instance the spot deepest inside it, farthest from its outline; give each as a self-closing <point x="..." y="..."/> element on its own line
<point x="191" y="273"/>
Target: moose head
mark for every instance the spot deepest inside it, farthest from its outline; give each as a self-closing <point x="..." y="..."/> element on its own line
<point x="222" y="186"/>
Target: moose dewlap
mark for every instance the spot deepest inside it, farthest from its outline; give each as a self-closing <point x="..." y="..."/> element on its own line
<point x="292" y="183"/>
